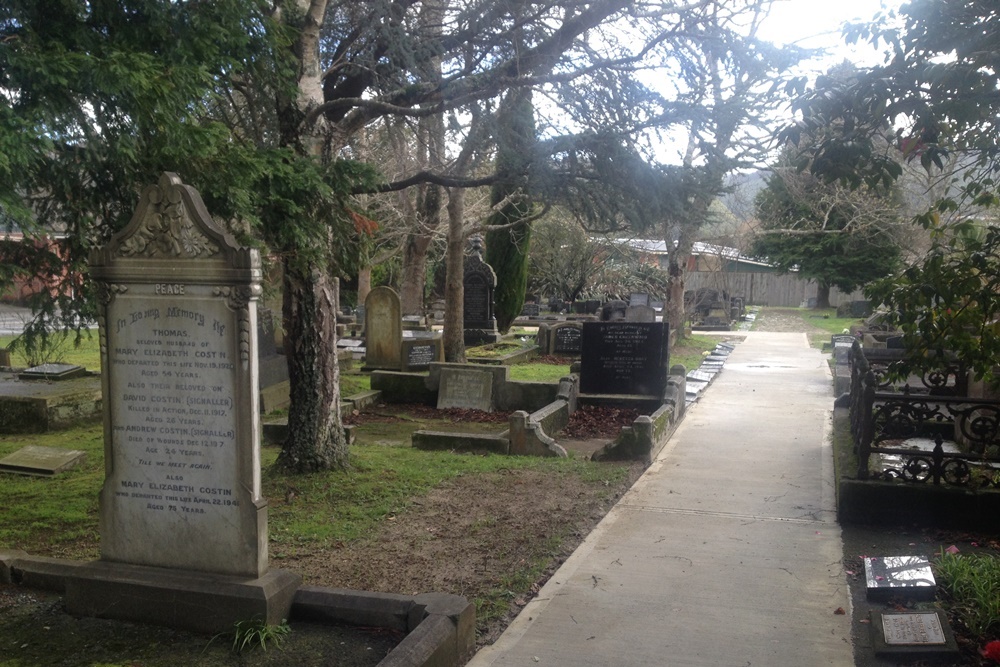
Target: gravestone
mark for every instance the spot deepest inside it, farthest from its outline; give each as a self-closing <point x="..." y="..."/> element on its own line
<point x="625" y="358"/>
<point x="183" y="522"/>
<point x="272" y="367"/>
<point x="479" y="281"/>
<point x="907" y="577"/>
<point x="640" y="314"/>
<point x="52" y="372"/>
<point x="638" y="299"/>
<point x="530" y="310"/>
<point x="420" y="349"/>
<point x="383" y="329"/>
<point x="567" y="338"/>
<point x="41" y="461"/>
<point x="465" y="388"/>
<point x="613" y="310"/>
<point x="912" y="635"/>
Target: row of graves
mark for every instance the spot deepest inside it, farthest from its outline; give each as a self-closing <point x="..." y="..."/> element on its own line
<point x="184" y="347"/>
<point x="927" y="445"/>
<point x="927" y="452"/>
<point x="714" y="310"/>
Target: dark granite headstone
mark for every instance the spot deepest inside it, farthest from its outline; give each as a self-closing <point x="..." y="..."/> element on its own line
<point x="530" y="310"/>
<point x="479" y="281"/>
<point x="567" y="338"/>
<point x="625" y="358"/>
<point x="899" y="576"/>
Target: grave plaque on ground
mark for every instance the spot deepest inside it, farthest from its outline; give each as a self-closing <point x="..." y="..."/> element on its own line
<point x="899" y="576"/>
<point x="41" y="461"/>
<point x="464" y="388"/>
<point x="479" y="281"/>
<point x="624" y="358"/>
<point x="178" y="322"/>
<point x="383" y="329"/>
<point x="912" y="635"/>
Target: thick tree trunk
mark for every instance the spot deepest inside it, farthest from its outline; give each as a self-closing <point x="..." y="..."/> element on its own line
<point x="454" y="287"/>
<point x="676" y="314"/>
<point x="822" y="295"/>
<point x="411" y="291"/>
<point x="316" y="438"/>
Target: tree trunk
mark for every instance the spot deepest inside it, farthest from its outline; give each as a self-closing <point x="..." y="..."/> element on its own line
<point x="822" y="295"/>
<point x="454" y="287"/>
<point x="364" y="284"/>
<point x="315" y="438"/>
<point x="414" y="280"/>
<point x="676" y="314"/>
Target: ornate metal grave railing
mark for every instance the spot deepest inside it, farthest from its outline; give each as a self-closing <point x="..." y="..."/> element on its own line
<point x="891" y="420"/>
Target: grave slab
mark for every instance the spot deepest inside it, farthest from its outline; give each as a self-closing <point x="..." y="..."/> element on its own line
<point x="53" y="372"/>
<point x="913" y="635"/>
<point x="899" y="576"/>
<point x="41" y="461"/>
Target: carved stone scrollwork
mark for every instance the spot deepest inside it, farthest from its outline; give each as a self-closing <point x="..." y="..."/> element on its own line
<point x="238" y="299"/>
<point x="167" y="229"/>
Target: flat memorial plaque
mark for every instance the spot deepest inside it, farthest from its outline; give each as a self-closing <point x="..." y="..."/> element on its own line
<point x="462" y="388"/>
<point x="908" y="629"/>
<point x="52" y="372"/>
<point x="912" y="635"/>
<point x="41" y="461"/>
<point x="899" y="576"/>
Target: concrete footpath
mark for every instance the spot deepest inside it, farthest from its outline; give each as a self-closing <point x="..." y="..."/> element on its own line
<point x="726" y="552"/>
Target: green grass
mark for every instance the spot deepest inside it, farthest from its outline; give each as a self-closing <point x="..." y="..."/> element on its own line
<point x="354" y="383"/>
<point x="534" y="372"/>
<point x="62" y="348"/>
<point x="691" y="350"/>
<point x="972" y="586"/>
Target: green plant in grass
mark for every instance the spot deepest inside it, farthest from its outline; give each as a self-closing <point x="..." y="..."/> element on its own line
<point x="972" y="585"/>
<point x="255" y="633"/>
<point x="57" y="347"/>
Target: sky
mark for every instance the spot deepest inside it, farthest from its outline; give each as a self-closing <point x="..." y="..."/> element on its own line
<point x="816" y="24"/>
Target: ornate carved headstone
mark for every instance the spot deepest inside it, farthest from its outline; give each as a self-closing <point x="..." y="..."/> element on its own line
<point x="479" y="282"/>
<point x="179" y="373"/>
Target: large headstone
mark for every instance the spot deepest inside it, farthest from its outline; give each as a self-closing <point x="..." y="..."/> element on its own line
<point x="479" y="282"/>
<point x="383" y="329"/>
<point x="182" y="490"/>
<point x="624" y="358"/>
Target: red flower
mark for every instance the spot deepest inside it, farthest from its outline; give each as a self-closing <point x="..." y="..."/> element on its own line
<point x="992" y="651"/>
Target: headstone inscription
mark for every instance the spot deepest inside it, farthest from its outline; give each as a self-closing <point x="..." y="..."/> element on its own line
<point x="624" y="358"/>
<point x="383" y="329"/>
<point x="464" y="388"/>
<point x="177" y="314"/>
<point x="179" y="367"/>
<point x="567" y="338"/>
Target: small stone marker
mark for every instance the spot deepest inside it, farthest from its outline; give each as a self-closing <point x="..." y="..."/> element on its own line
<point x="912" y="635"/>
<point x="464" y="388"/>
<point x="41" y="461"/>
<point x="52" y="372"/>
<point x="899" y="576"/>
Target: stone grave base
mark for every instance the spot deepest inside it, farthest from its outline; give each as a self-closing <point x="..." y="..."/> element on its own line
<point x="196" y="601"/>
